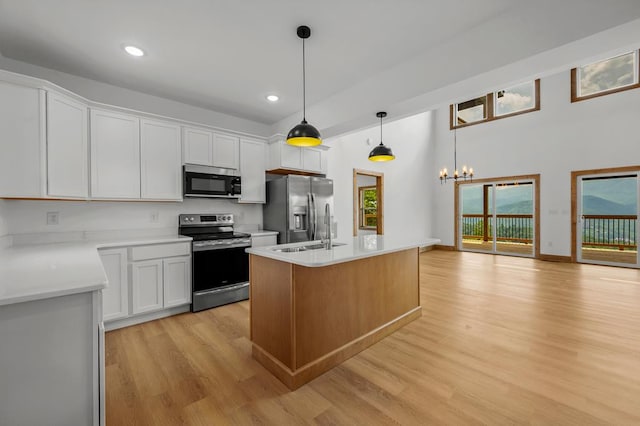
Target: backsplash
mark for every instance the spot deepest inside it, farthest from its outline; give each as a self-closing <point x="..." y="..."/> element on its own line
<point x="4" y="227"/>
<point x="26" y="216"/>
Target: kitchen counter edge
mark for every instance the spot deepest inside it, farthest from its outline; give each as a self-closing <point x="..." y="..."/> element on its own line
<point x="74" y="267"/>
<point x="351" y="250"/>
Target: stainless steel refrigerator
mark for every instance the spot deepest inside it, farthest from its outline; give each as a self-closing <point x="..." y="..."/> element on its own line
<point x="296" y="208"/>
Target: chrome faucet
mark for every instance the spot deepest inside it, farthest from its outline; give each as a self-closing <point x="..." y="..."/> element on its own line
<point x="327" y="222"/>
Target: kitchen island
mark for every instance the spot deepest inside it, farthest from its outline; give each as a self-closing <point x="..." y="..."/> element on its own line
<point x="313" y="309"/>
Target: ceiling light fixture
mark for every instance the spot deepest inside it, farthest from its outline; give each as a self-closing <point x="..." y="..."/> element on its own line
<point x="134" y="51"/>
<point x="272" y="98"/>
<point x="466" y="174"/>
<point x="381" y="152"/>
<point x="304" y="134"/>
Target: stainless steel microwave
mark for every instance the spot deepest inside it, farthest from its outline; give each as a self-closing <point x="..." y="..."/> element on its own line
<point x="211" y="182"/>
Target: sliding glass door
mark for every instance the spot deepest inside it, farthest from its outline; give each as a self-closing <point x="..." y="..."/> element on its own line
<point x="608" y="219"/>
<point x="497" y="217"/>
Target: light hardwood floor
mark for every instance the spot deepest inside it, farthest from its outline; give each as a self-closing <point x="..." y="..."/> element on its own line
<point x="502" y="340"/>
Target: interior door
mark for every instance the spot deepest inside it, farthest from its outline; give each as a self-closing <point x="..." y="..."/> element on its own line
<point x="608" y="219"/>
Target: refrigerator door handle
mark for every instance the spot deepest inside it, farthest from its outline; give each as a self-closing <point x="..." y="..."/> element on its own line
<point x="310" y="218"/>
<point x="315" y="217"/>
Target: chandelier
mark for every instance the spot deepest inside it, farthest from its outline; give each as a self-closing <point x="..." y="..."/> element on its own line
<point x="466" y="173"/>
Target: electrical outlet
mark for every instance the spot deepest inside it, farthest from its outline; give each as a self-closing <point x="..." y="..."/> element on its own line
<point x="155" y="216"/>
<point x="53" y="218"/>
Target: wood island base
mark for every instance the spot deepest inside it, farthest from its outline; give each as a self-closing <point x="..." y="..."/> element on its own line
<point x="307" y="320"/>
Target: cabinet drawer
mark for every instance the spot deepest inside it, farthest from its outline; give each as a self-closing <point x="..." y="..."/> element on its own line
<point x="159" y="250"/>
<point x="263" y="240"/>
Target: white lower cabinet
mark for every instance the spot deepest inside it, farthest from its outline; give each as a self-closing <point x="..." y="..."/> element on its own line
<point x="146" y="286"/>
<point x="264" y="240"/>
<point x="177" y="281"/>
<point x="146" y="282"/>
<point x="116" y="296"/>
<point x="160" y="283"/>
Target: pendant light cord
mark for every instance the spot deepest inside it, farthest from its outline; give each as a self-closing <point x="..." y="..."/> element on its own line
<point x="304" y="86"/>
<point x="381" y="130"/>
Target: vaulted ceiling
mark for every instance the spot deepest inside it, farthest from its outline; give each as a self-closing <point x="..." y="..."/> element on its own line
<point x="228" y="55"/>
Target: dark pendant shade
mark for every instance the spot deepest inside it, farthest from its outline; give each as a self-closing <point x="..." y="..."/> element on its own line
<point x="381" y="153"/>
<point x="304" y="134"/>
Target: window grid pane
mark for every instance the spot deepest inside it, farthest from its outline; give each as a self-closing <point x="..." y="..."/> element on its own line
<point x="514" y="99"/>
<point x="609" y="74"/>
<point x="471" y="111"/>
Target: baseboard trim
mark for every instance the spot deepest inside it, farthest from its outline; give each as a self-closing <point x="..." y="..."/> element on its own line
<point x="555" y="258"/>
<point x="443" y="247"/>
<point x="294" y="379"/>
<point x="139" y="319"/>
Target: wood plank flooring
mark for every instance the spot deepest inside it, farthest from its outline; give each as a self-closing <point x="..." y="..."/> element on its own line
<point x="502" y="340"/>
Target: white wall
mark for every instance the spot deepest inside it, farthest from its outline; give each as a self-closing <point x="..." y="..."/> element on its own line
<point x="407" y="183"/>
<point x="23" y="216"/>
<point x="560" y="138"/>
<point x="118" y="96"/>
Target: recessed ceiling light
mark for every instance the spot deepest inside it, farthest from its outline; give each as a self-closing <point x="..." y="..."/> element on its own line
<point x="272" y="98"/>
<point x="134" y="51"/>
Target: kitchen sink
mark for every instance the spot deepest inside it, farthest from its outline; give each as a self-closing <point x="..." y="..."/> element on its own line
<point x="317" y="246"/>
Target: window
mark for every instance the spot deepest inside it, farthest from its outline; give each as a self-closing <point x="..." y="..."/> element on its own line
<point x="604" y="77"/>
<point x="515" y="99"/>
<point x="503" y="103"/>
<point x="472" y="111"/>
<point x="368" y="208"/>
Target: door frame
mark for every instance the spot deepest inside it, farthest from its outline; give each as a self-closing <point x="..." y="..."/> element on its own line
<point x="535" y="178"/>
<point x="575" y="175"/>
<point x="380" y="199"/>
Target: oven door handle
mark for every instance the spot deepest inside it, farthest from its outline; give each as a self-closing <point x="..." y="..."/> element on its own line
<point x="221" y="247"/>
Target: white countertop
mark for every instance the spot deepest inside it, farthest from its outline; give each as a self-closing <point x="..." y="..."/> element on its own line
<point x="355" y="248"/>
<point x="40" y="271"/>
<point x="263" y="232"/>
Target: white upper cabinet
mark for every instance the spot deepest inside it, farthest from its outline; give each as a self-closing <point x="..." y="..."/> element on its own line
<point x="312" y="159"/>
<point x="226" y="151"/>
<point x="198" y="146"/>
<point x="284" y="156"/>
<point x="206" y="148"/>
<point x="253" y="163"/>
<point x="290" y="157"/>
<point x="22" y="141"/>
<point x="160" y="160"/>
<point x="115" y="155"/>
<point x="67" y="158"/>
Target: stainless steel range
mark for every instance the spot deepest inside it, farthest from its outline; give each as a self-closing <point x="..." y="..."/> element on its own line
<point x="220" y="266"/>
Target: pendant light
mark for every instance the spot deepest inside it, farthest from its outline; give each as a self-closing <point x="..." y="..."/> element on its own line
<point x="304" y="134"/>
<point x="381" y="152"/>
<point x="466" y="173"/>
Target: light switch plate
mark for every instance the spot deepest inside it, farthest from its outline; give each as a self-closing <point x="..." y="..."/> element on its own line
<point x="53" y="218"/>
